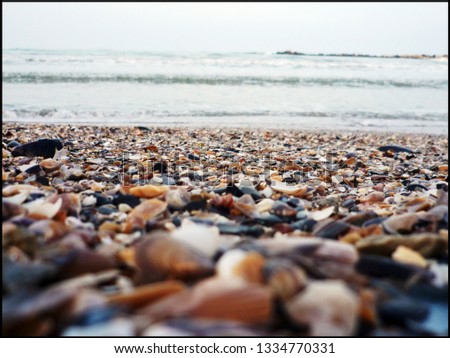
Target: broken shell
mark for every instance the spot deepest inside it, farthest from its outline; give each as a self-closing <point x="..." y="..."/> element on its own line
<point x="296" y="190"/>
<point x="427" y="244"/>
<point x="205" y="239"/>
<point x="246" y="205"/>
<point x="400" y="224"/>
<point x="329" y="308"/>
<point x="409" y="256"/>
<point x="148" y="191"/>
<point x="42" y="208"/>
<point x="241" y="265"/>
<point x="178" y="198"/>
<point x="217" y="299"/>
<point x="160" y="257"/>
<point x="147" y="210"/>
<point x="323" y="214"/>
<point x="144" y="295"/>
<point x="284" y="278"/>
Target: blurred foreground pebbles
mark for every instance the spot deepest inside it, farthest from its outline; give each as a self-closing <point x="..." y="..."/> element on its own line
<point x="206" y="232"/>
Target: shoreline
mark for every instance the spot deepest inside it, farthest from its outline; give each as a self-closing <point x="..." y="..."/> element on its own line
<point x="160" y="228"/>
<point x="232" y="126"/>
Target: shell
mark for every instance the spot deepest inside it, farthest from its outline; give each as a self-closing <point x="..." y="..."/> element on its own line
<point x="323" y="214"/>
<point x="42" y="208"/>
<point x="225" y="201"/>
<point x="217" y="299"/>
<point x="241" y="265"/>
<point x="205" y="239"/>
<point x="408" y="256"/>
<point x="50" y="165"/>
<point x="147" y="294"/>
<point x="178" y="198"/>
<point x="400" y="224"/>
<point x="148" y="191"/>
<point x="284" y="278"/>
<point x="246" y="205"/>
<point x="427" y="244"/>
<point x="146" y="211"/>
<point x="297" y="190"/>
<point x="160" y="257"/>
<point x="329" y="308"/>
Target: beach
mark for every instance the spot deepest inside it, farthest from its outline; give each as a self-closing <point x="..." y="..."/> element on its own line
<point x="152" y="230"/>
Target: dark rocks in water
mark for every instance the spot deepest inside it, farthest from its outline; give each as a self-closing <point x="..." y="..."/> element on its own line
<point x="143" y="128"/>
<point x="395" y="149"/>
<point x="41" y="148"/>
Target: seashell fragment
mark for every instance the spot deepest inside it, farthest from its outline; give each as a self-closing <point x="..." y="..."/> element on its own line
<point x="322" y="214"/>
<point x="284" y="278"/>
<point x="217" y="299"/>
<point x="147" y="294"/>
<point x="427" y="244"/>
<point x="160" y="257"/>
<point x="408" y="256"/>
<point x="400" y="224"/>
<point x="148" y="191"/>
<point x="43" y="208"/>
<point x="178" y="198"/>
<point x="329" y="308"/>
<point x="297" y="190"/>
<point x="246" y="205"/>
<point x="205" y="239"/>
<point x="146" y="211"/>
<point x="240" y="265"/>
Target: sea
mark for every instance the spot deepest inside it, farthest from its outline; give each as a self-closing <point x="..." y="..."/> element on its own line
<point x="245" y="90"/>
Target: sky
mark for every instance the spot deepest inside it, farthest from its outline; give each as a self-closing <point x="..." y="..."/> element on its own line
<point x="369" y="28"/>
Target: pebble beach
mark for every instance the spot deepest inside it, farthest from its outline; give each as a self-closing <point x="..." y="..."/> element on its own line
<point x="168" y="231"/>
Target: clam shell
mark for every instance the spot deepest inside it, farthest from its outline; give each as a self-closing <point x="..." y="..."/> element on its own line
<point x="161" y="257"/>
<point x="323" y="214"/>
<point x="148" y="191"/>
<point x="329" y="308"/>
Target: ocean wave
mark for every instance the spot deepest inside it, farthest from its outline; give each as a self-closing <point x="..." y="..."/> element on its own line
<point x="54" y="113"/>
<point x="44" y="78"/>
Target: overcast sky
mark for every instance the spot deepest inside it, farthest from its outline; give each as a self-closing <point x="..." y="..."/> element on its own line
<point x="383" y="28"/>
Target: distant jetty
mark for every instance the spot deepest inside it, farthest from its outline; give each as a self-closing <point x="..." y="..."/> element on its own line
<point x="295" y="53"/>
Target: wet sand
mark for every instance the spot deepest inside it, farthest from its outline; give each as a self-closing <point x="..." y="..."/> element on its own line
<point x="135" y="231"/>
